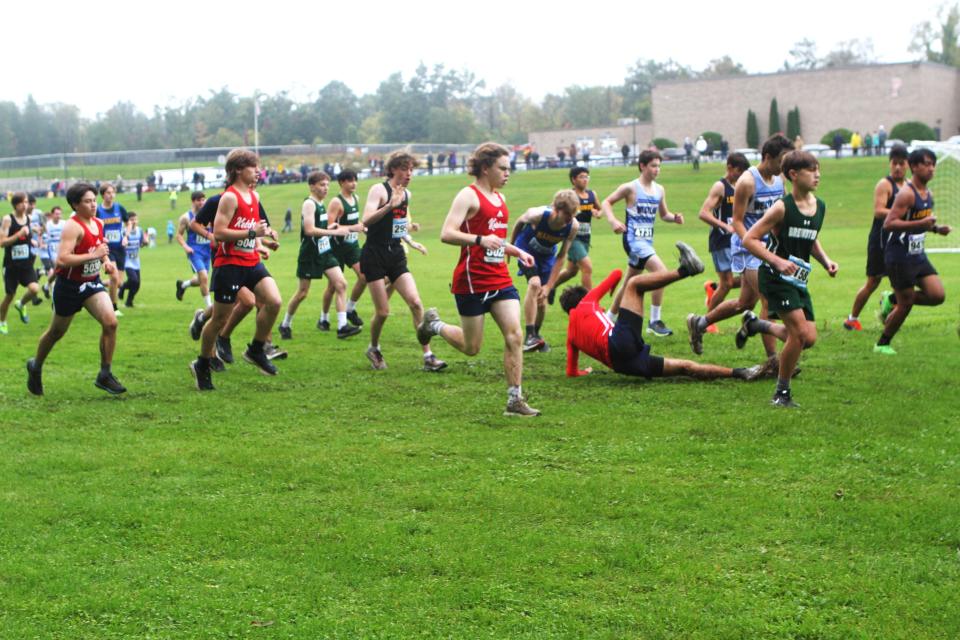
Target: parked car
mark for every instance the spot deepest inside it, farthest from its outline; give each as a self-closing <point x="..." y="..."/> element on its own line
<point x="673" y="154"/>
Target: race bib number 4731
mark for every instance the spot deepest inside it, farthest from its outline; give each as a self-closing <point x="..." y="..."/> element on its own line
<point x="643" y="232"/>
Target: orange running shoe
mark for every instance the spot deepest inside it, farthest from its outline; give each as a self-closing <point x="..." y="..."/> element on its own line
<point x="852" y="325"/>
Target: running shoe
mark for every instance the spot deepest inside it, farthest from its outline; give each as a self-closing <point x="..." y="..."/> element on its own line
<point x="425" y="328"/>
<point x="34" y="378"/>
<point x="884" y="349"/>
<point x="783" y="399"/>
<point x="202" y="376"/>
<point x="518" y="408"/>
<point x="36" y="301"/>
<point x="552" y="295"/>
<point x="109" y="383"/>
<point x="354" y="318"/>
<point x="323" y="325"/>
<point x="433" y="363"/>
<point x="771" y="368"/>
<point x="46" y="291"/>
<point x="286" y="333"/>
<point x="689" y="259"/>
<point x="852" y="325"/>
<point x="24" y="318"/>
<point x="4" y="330"/>
<point x="696" y="336"/>
<point x="744" y="331"/>
<point x="179" y="290"/>
<point x="754" y="373"/>
<point x="376" y="359"/>
<point x="886" y="305"/>
<point x="533" y="343"/>
<point x="545" y="348"/>
<point x="260" y="360"/>
<point x="196" y="325"/>
<point x="659" y="329"/>
<point x="224" y="349"/>
<point x="346" y="331"/>
<point x="274" y="352"/>
<point x="118" y="313"/>
<point x="216" y="365"/>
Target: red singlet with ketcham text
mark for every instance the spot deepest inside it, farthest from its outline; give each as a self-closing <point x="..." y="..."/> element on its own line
<point x="89" y="270"/>
<point x="481" y="270"/>
<point x="241" y="252"/>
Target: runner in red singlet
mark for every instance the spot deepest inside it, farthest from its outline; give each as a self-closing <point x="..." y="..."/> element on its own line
<point x="83" y="253"/>
<point x="477" y="222"/>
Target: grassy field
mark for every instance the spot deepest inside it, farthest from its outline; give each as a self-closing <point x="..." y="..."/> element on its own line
<point x="337" y="502"/>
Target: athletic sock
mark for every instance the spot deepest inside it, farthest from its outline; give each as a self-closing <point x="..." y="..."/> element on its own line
<point x="373" y="346"/>
<point x="783" y="386"/>
<point x="536" y="329"/>
<point x="185" y="284"/>
<point x="324" y="316"/>
<point x="702" y="323"/>
<point x="104" y="369"/>
<point x="852" y="318"/>
<point x="740" y="373"/>
<point x="341" y="319"/>
<point x="203" y="362"/>
<point x="206" y="300"/>
<point x="758" y="325"/>
<point x="531" y="330"/>
<point x="513" y="392"/>
<point x="427" y="354"/>
<point x="437" y="326"/>
<point x="654" y="312"/>
<point x="351" y="306"/>
<point x="287" y="320"/>
<point x="256" y="346"/>
<point x="884" y="340"/>
<point x="683" y="271"/>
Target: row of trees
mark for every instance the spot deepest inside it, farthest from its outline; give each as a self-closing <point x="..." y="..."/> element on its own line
<point x="434" y="105"/>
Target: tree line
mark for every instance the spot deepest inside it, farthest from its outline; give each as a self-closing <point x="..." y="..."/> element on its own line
<point x="434" y="105"/>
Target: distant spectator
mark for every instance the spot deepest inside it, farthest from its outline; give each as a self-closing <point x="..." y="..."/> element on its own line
<point x="867" y="144"/>
<point x="441" y="157"/>
<point x="687" y="149"/>
<point x="855" y="142"/>
<point x="429" y="164"/>
<point x="573" y="153"/>
<point x="798" y="143"/>
<point x="876" y="143"/>
<point x="287" y="221"/>
<point x="173" y="199"/>
<point x="535" y="158"/>
<point x="837" y="143"/>
<point x="586" y="156"/>
<point x="701" y="145"/>
<point x="452" y="161"/>
<point x="882" y="143"/>
<point x="724" y="148"/>
<point x="170" y="230"/>
<point x="513" y="160"/>
<point x="561" y="155"/>
<point x="625" y="152"/>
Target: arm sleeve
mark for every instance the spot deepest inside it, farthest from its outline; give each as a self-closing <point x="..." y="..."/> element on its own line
<point x="263" y="214"/>
<point x="208" y="211"/>
<point x="123" y="213"/>
<point x="600" y="290"/>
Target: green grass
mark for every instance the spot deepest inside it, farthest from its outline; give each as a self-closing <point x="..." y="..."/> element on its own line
<point x="334" y="501"/>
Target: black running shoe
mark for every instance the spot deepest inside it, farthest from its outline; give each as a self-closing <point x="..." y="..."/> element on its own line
<point x="46" y="291"/>
<point x="37" y="301"/>
<point x="552" y="295"/>
<point x="260" y="361"/>
<point x="224" y="350"/>
<point x="216" y="365"/>
<point x="34" y="379"/>
<point x="346" y="331"/>
<point x="109" y="383"/>
<point x="354" y="318"/>
<point x="179" y="290"/>
<point x="783" y="399"/>
<point x="196" y="325"/>
<point x="323" y="325"/>
<point x="202" y="375"/>
<point x="286" y="333"/>
<point x="273" y="352"/>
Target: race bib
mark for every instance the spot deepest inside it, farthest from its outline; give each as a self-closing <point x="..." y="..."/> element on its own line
<point x="133" y="254"/>
<point x="643" y="232"/>
<point x="247" y="245"/>
<point x="351" y="237"/>
<point x="584" y="229"/>
<point x="201" y="239"/>
<point x="20" y="252"/>
<point x="399" y="228"/>
<point x="915" y="243"/>
<point x="800" y="276"/>
<point x="113" y="236"/>
<point x="92" y="267"/>
<point x="493" y="256"/>
<point x="323" y="244"/>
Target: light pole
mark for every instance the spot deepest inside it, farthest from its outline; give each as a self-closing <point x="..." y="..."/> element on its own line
<point x="256" y="122"/>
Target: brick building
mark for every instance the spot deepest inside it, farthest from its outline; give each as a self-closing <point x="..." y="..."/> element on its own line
<point x="859" y="98"/>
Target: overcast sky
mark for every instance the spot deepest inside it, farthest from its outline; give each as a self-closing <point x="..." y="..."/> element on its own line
<point x="116" y="51"/>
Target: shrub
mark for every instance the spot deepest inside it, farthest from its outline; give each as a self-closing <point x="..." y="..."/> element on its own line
<point x="774" y="124"/>
<point x="793" y="123"/>
<point x="912" y="130"/>
<point x="827" y="138"/>
<point x="664" y="143"/>
<point x="753" y="130"/>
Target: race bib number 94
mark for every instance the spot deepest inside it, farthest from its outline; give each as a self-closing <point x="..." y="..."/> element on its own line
<point x="915" y="243"/>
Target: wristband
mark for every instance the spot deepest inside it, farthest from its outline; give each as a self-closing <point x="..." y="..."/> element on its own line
<point x="251" y="234"/>
<point x="935" y="229"/>
<point x="478" y="239"/>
